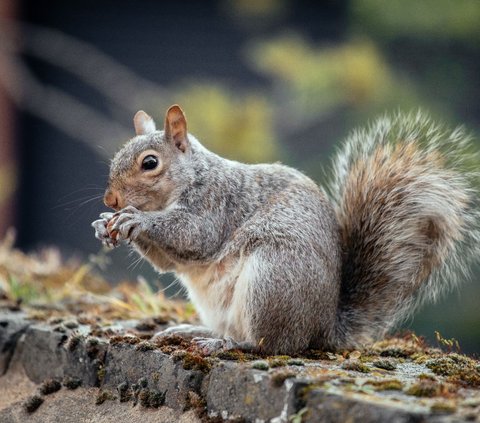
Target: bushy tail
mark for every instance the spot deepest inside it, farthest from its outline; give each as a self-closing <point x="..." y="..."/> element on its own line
<point x="407" y="207"/>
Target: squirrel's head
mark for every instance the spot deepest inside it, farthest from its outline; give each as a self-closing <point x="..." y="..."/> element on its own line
<point x="152" y="166"/>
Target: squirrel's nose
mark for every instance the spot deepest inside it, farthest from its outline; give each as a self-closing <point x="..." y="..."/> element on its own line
<point x="111" y="199"/>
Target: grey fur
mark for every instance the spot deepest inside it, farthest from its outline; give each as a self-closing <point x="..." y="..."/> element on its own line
<point x="260" y="248"/>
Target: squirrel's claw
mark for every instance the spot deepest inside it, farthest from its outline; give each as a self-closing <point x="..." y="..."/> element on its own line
<point x="101" y="231"/>
<point x="209" y="346"/>
<point x="106" y="216"/>
<point x="100" y="227"/>
<point x="128" y="222"/>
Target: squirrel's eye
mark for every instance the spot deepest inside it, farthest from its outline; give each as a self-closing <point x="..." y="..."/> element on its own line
<point x="149" y="162"/>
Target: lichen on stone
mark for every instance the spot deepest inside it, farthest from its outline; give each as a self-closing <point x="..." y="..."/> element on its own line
<point x="50" y="386"/>
<point x="103" y="396"/>
<point x="386" y="385"/>
<point x="71" y="383"/>
<point x="32" y="403"/>
<point x="277" y="378"/>
<point x="385" y="364"/>
<point x="193" y="361"/>
<point x="260" y="365"/>
<point x="356" y="366"/>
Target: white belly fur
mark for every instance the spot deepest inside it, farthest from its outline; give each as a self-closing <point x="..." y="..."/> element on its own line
<point x="219" y="293"/>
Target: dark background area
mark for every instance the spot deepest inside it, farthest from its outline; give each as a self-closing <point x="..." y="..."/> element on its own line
<point x="311" y="71"/>
<point x="164" y="43"/>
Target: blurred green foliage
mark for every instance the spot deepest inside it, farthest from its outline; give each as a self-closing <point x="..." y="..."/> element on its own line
<point x="394" y="56"/>
<point x="431" y="19"/>
<point x="234" y="125"/>
<point x="318" y="78"/>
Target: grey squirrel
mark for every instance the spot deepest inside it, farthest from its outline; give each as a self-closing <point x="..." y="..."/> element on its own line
<point x="274" y="262"/>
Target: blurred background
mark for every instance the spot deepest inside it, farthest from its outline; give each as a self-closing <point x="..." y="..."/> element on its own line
<point x="260" y="80"/>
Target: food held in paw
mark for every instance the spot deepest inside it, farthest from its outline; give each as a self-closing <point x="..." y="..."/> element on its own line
<point x="111" y="232"/>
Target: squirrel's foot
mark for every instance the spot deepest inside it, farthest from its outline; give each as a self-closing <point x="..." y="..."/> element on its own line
<point x="101" y="231"/>
<point x="128" y="224"/>
<point x="185" y="331"/>
<point x="213" y="345"/>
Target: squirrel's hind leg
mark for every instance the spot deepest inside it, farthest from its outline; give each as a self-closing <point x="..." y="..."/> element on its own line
<point x="185" y="331"/>
<point x="291" y="299"/>
<point x="212" y="345"/>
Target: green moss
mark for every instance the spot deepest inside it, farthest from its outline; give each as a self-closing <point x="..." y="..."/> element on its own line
<point x="144" y="346"/>
<point x="195" y="401"/>
<point x="32" y="403"/>
<point x="281" y="357"/>
<point x="235" y="355"/>
<point x="172" y="340"/>
<point x="303" y="392"/>
<point x="460" y="369"/>
<point x="425" y="376"/>
<point x="71" y="383"/>
<point x="443" y="408"/>
<point x="466" y="378"/>
<point x="275" y="362"/>
<point x="386" y="385"/>
<point x="150" y="398"/>
<point x="300" y="416"/>
<point x="156" y="398"/>
<point x="280" y="376"/>
<point x="320" y="355"/>
<point x="124" y="339"/>
<point x="71" y="324"/>
<point x="178" y="355"/>
<point x="396" y="352"/>
<point x="385" y="364"/>
<point x="425" y="388"/>
<point x="419" y="358"/>
<point x="368" y="358"/>
<point x="295" y="362"/>
<point x="60" y="328"/>
<point x="104" y="396"/>
<point x="92" y="341"/>
<point x="50" y="386"/>
<point x="450" y="364"/>
<point x="124" y="392"/>
<point x="91" y="346"/>
<point x="196" y="362"/>
<point x="278" y="360"/>
<point x="356" y="366"/>
<point x="144" y="397"/>
<point x="101" y="374"/>
<point x="260" y="365"/>
<point x="73" y="342"/>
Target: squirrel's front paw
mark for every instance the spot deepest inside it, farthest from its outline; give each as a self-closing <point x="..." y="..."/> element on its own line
<point x="127" y="224"/>
<point x="102" y="231"/>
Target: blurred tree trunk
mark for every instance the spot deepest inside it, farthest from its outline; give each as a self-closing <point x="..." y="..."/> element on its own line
<point x="8" y="172"/>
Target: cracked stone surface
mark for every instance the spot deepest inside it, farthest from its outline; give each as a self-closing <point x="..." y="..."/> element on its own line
<point x="123" y="377"/>
<point x="10" y="330"/>
<point x="125" y="364"/>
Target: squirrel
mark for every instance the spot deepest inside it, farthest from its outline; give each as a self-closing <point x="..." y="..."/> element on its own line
<point x="270" y="260"/>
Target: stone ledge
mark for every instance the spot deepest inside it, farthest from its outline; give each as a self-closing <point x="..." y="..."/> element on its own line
<point x="177" y="379"/>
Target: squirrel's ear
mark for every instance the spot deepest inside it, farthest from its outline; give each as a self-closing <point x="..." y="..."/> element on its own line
<point x="143" y="123"/>
<point x="176" y="127"/>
